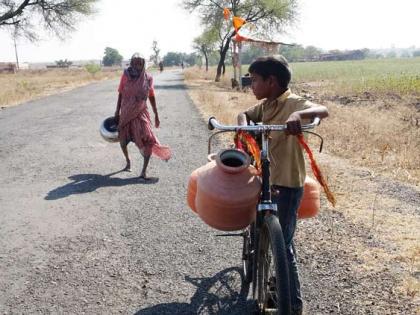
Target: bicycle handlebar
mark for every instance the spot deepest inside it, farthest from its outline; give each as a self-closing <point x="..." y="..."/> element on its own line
<point x="214" y="124"/>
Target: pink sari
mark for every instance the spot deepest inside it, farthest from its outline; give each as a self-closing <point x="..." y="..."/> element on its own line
<point x="135" y="124"/>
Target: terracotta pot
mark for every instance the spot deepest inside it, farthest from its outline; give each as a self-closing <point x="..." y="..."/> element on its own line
<point x="310" y="203"/>
<point x="192" y="182"/>
<point x="227" y="191"/>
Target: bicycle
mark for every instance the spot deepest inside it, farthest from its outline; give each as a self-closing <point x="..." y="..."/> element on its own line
<point x="264" y="252"/>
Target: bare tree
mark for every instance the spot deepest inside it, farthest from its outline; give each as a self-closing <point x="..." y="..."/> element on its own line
<point x="268" y="16"/>
<point x="58" y="16"/>
<point x="156" y="51"/>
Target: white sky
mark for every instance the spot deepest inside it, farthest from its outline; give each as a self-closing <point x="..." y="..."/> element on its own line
<point x="132" y="25"/>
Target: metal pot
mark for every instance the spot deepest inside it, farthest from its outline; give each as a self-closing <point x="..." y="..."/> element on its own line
<point x="109" y="129"/>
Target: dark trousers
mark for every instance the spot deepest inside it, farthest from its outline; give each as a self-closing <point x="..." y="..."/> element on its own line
<point x="288" y="200"/>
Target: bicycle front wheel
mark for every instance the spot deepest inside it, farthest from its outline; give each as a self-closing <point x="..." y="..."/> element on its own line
<point x="273" y="288"/>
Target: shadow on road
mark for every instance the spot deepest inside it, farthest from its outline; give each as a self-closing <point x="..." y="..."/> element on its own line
<point x="222" y="294"/>
<point x="170" y="87"/>
<point x="85" y="183"/>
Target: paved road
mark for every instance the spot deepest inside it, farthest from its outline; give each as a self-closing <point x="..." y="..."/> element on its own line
<point x="79" y="236"/>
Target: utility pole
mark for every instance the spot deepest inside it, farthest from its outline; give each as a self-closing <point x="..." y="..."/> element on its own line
<point x="16" y="52"/>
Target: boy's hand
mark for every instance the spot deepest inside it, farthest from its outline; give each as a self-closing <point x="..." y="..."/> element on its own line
<point x="294" y="124"/>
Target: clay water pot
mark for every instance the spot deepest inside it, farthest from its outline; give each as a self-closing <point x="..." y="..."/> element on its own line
<point x="227" y="191"/>
<point x="192" y="182"/>
<point x="310" y="203"/>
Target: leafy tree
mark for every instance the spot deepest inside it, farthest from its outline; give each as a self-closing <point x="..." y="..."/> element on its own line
<point x="112" y="57"/>
<point x="205" y="44"/>
<point x="293" y="52"/>
<point x="311" y="53"/>
<point x="251" y="53"/>
<point x="172" y="59"/>
<point x="176" y="58"/>
<point x="391" y="54"/>
<point x="63" y="63"/>
<point x="268" y="16"/>
<point x="57" y="16"/>
<point x="416" y="53"/>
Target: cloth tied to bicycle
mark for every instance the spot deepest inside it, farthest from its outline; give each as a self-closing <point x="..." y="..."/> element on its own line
<point x="316" y="170"/>
<point x="245" y="142"/>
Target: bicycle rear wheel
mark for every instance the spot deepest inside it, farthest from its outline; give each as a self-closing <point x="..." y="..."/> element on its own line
<point x="273" y="288"/>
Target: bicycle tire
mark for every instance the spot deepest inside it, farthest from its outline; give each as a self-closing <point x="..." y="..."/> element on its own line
<point x="273" y="287"/>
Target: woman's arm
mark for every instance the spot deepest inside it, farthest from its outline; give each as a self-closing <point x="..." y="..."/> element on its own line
<point x="154" y="107"/>
<point x="117" y="110"/>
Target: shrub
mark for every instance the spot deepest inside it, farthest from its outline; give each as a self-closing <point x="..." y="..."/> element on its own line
<point x="92" y="68"/>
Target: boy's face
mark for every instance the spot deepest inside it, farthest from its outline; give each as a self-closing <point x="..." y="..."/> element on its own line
<point x="260" y="87"/>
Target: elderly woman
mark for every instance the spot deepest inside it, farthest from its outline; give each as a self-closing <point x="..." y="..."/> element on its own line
<point x="136" y="86"/>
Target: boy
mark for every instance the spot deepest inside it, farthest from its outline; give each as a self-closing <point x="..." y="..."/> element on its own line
<point x="270" y="79"/>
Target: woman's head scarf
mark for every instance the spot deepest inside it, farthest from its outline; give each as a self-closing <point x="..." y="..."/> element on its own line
<point x="132" y="71"/>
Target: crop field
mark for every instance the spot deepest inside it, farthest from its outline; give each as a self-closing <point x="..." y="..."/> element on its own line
<point x="399" y="76"/>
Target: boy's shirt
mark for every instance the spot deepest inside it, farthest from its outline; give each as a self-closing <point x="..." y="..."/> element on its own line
<point x="287" y="164"/>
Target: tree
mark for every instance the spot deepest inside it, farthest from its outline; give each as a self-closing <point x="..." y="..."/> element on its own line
<point x="311" y="53"/>
<point x="57" y="16"/>
<point x="63" y="63"/>
<point x="156" y="51"/>
<point x="293" y="52"/>
<point x="205" y="44"/>
<point x="268" y="16"/>
<point x="176" y="58"/>
<point x="112" y="57"/>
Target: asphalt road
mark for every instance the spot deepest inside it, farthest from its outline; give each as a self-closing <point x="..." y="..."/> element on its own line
<point x="77" y="235"/>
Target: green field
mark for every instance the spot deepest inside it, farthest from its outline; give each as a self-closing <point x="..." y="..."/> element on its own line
<point x="399" y="76"/>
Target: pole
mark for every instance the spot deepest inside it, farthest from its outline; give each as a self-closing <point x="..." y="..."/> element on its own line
<point x="240" y="65"/>
<point x="234" y="61"/>
<point x="16" y="52"/>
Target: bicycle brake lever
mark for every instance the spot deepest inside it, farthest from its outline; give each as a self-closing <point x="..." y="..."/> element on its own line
<point x="210" y="125"/>
<point x="319" y="136"/>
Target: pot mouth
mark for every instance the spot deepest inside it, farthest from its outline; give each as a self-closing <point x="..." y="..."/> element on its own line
<point x="232" y="160"/>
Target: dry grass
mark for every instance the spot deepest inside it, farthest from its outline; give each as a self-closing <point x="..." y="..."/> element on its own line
<point x="377" y="131"/>
<point x="29" y="84"/>
<point x="383" y="133"/>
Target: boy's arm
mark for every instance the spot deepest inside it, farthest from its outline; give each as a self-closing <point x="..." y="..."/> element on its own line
<point x="295" y="119"/>
<point x="253" y="113"/>
<point x="242" y="119"/>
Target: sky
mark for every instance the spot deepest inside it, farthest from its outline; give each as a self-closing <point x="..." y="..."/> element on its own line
<point x="132" y="25"/>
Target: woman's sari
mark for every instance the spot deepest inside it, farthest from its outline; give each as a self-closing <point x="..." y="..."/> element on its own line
<point x="135" y="124"/>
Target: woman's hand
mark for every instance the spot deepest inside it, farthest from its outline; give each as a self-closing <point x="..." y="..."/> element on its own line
<point x="294" y="124"/>
<point x="157" y="122"/>
<point x="117" y="117"/>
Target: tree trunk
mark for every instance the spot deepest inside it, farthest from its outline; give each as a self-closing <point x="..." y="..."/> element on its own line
<point x="222" y="60"/>
<point x="207" y="61"/>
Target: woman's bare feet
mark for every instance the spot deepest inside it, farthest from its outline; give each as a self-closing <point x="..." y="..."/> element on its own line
<point x="127" y="167"/>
